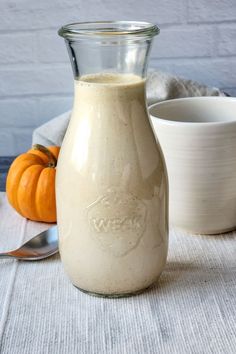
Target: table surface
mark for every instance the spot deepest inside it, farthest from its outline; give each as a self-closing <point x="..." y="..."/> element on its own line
<point x="192" y="309"/>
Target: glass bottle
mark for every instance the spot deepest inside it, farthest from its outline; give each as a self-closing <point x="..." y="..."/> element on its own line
<point x="111" y="184"/>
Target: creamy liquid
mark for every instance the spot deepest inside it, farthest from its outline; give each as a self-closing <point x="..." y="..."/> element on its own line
<point x="111" y="189"/>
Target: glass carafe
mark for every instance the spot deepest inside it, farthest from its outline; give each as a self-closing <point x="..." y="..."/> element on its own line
<point x="111" y="184"/>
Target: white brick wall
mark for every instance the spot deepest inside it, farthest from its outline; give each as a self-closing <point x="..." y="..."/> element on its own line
<point x="197" y="40"/>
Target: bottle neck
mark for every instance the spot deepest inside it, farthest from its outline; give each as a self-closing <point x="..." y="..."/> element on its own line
<point x="109" y="56"/>
<point x="109" y="87"/>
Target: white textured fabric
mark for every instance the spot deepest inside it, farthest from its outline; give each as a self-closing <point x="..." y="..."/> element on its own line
<point x="160" y="86"/>
<point x="191" y="310"/>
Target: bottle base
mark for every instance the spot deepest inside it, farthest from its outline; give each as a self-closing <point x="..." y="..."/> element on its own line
<point x="115" y="295"/>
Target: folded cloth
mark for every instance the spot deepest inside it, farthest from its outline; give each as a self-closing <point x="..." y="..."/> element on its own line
<point x="160" y="87"/>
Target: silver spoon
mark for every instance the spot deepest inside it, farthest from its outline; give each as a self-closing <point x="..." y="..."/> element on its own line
<point x="39" y="247"/>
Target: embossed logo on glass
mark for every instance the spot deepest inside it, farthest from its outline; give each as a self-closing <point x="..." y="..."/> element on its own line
<point x="117" y="221"/>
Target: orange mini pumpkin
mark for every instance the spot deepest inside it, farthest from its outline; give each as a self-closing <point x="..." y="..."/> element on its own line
<point x="30" y="183"/>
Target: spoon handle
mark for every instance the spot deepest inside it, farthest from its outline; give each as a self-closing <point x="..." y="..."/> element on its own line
<point x="5" y="255"/>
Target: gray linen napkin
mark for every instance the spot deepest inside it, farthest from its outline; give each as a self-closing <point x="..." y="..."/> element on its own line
<point x="160" y="87"/>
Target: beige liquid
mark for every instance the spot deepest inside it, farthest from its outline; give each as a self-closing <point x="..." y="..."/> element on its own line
<point x="111" y="189"/>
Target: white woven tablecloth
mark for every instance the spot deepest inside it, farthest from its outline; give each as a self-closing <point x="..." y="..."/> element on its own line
<point x="191" y="310"/>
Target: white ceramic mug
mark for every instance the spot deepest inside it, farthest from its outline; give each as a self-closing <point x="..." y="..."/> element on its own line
<point x="198" y="139"/>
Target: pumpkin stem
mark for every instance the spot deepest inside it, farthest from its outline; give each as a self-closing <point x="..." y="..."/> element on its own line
<point x="52" y="160"/>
